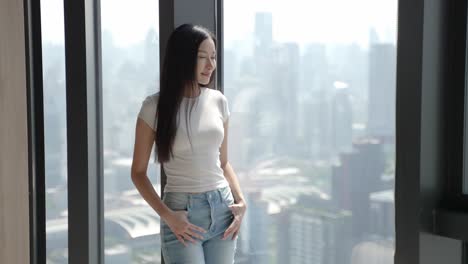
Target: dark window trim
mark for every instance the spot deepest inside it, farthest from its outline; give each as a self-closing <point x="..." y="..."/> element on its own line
<point x="219" y="31"/>
<point x="35" y="105"/>
<point x="451" y="224"/>
<point x="454" y="203"/>
<point x="84" y="131"/>
<point x="455" y="198"/>
<point x="450" y="218"/>
<point x="166" y="26"/>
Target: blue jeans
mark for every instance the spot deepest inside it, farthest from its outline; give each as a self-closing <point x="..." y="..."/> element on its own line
<point x="210" y="211"/>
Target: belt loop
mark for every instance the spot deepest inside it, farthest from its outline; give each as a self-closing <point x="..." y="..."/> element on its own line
<point x="189" y="202"/>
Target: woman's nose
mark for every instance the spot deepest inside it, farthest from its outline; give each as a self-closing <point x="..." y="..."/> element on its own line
<point x="210" y="64"/>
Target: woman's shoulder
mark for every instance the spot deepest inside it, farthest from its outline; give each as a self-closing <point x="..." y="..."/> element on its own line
<point x="151" y="100"/>
<point x="216" y="93"/>
<point x="222" y="102"/>
<point x="148" y="109"/>
<point x="153" y="97"/>
<point x="150" y="103"/>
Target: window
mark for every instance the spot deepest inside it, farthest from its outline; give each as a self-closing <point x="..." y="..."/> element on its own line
<point x="311" y="89"/>
<point x="130" y="72"/>
<point x="55" y="134"/>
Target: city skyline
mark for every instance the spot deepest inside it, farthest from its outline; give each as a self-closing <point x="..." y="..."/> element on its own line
<point x="304" y="160"/>
<point x="129" y="24"/>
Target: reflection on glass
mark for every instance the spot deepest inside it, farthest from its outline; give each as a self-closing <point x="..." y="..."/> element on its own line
<point x="130" y="72"/>
<point x="312" y="135"/>
<point x="55" y="131"/>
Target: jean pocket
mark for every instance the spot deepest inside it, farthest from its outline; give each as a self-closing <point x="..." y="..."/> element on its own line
<point x="176" y="201"/>
<point x="226" y="196"/>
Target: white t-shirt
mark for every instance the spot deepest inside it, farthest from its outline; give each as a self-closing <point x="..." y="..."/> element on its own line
<point x="200" y="170"/>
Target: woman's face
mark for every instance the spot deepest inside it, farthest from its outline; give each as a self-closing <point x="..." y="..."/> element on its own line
<point x="206" y="61"/>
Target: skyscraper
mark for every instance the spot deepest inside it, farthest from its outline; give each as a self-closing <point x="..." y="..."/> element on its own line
<point x="382" y="87"/>
<point x="263" y="33"/>
<point x="284" y="86"/>
<point x="316" y="232"/>
<point x="354" y="179"/>
<point x="342" y="118"/>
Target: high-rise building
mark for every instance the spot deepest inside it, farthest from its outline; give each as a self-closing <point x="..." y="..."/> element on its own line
<point x="263" y="33"/>
<point x="314" y="68"/>
<point x="284" y="83"/>
<point x="355" y="178"/>
<point x="342" y="118"/>
<point x="263" y="42"/>
<point x="253" y="240"/>
<point x="382" y="87"/>
<point x="382" y="216"/>
<point x="315" y="232"/>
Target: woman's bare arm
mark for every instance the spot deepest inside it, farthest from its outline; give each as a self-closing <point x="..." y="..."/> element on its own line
<point x="144" y="140"/>
<point x="240" y="206"/>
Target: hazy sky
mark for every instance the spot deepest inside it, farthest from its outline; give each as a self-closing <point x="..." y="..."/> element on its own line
<point x="300" y="21"/>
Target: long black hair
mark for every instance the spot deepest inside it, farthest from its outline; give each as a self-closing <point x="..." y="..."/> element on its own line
<point x="177" y="74"/>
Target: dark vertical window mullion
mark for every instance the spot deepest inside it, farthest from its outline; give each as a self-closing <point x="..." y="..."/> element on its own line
<point x="219" y="22"/>
<point x="84" y="132"/>
<point x="461" y="27"/>
<point x="100" y="127"/>
<point x="166" y="26"/>
<point x="36" y="159"/>
<point x="408" y="128"/>
<point x="455" y="112"/>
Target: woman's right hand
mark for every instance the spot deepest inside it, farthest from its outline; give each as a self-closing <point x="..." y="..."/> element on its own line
<point x="182" y="228"/>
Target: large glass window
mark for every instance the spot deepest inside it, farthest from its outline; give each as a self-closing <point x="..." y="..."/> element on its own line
<point x="130" y="72"/>
<point x="55" y="131"/>
<point x="311" y="87"/>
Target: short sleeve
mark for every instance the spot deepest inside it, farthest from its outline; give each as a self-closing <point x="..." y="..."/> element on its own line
<point x="226" y="112"/>
<point x="148" y="111"/>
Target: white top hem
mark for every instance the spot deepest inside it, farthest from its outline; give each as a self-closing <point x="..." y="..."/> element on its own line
<point x="196" y="189"/>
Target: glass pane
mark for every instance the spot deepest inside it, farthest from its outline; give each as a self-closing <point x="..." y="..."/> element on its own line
<point x="130" y="72"/>
<point x="55" y="130"/>
<point x="311" y="89"/>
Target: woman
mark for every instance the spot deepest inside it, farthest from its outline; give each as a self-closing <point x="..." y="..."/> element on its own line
<point x="203" y="206"/>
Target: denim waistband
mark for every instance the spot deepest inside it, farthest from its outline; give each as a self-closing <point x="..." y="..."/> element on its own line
<point x="215" y="195"/>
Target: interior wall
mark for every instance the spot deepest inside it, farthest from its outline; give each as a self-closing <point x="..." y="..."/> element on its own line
<point x="14" y="203"/>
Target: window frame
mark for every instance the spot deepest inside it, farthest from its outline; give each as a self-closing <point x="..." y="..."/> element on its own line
<point x="84" y="131"/>
<point x="35" y="112"/>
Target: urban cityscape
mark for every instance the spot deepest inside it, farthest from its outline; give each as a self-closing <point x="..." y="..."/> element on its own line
<point x="311" y="139"/>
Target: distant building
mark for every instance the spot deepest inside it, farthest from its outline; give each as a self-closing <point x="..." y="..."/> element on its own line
<point x="283" y="91"/>
<point x="355" y="178"/>
<point x="382" y="91"/>
<point x="382" y="218"/>
<point x="342" y="118"/>
<point x="314" y="231"/>
<point x="255" y="234"/>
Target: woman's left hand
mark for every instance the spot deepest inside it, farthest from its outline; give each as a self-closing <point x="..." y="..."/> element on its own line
<point x="238" y="210"/>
